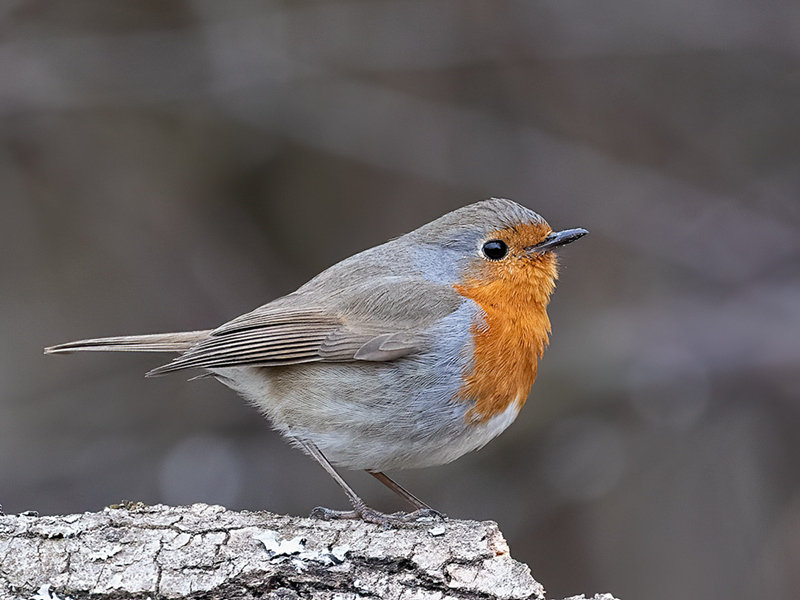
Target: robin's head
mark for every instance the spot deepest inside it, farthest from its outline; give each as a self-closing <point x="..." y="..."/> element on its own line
<point x="494" y="243"/>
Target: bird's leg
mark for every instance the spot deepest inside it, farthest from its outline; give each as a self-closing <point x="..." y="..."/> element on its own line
<point x="422" y="509"/>
<point x="360" y="508"/>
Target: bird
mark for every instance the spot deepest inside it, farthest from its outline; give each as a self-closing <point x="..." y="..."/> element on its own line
<point x="409" y="354"/>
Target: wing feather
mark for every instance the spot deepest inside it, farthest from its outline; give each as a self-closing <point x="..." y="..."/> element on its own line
<point x="277" y="314"/>
<point x="385" y="322"/>
<point x="281" y="344"/>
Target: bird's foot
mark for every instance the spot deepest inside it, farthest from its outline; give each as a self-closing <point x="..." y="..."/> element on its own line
<point x="370" y="515"/>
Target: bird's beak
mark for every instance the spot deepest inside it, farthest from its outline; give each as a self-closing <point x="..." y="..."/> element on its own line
<point x="557" y="238"/>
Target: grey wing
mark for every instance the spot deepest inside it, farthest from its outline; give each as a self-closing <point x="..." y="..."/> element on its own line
<point x="324" y="338"/>
<point x="280" y="333"/>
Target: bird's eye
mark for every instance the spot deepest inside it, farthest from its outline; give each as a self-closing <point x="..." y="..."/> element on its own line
<point x="495" y="249"/>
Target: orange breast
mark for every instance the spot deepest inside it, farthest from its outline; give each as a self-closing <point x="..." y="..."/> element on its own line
<point x="513" y="334"/>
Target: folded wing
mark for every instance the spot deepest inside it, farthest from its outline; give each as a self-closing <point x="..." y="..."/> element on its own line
<point x="371" y="323"/>
<point x="293" y="339"/>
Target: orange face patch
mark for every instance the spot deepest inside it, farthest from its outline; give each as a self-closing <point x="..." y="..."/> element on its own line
<point x="513" y="293"/>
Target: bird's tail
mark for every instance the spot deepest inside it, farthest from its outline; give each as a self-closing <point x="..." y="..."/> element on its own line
<point x="156" y="342"/>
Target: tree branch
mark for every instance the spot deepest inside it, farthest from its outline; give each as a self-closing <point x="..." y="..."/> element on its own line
<point x="201" y="551"/>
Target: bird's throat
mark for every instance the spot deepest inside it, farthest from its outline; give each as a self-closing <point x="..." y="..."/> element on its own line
<point x="509" y="337"/>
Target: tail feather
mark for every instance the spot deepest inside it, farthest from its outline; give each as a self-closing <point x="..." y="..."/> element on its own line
<point x="156" y="342"/>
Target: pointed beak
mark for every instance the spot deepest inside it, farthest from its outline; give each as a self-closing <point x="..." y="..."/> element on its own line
<point x="557" y="238"/>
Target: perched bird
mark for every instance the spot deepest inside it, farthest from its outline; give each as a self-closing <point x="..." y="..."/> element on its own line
<point x="409" y="354"/>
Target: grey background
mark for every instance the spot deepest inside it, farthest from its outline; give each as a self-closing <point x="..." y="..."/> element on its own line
<point x="168" y="166"/>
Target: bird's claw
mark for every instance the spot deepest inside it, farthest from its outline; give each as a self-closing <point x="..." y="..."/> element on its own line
<point x="370" y="515"/>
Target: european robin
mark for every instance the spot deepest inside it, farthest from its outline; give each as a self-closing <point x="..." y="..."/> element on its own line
<point x="409" y="354"/>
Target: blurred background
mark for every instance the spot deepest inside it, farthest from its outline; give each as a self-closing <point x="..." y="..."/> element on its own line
<point x="168" y="166"/>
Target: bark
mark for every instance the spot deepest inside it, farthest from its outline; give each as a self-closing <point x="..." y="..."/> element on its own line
<point x="135" y="552"/>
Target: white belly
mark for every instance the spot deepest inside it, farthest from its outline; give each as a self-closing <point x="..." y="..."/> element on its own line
<point x="368" y="429"/>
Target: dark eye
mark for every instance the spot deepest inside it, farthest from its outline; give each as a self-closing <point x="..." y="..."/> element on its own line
<point x="495" y="249"/>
